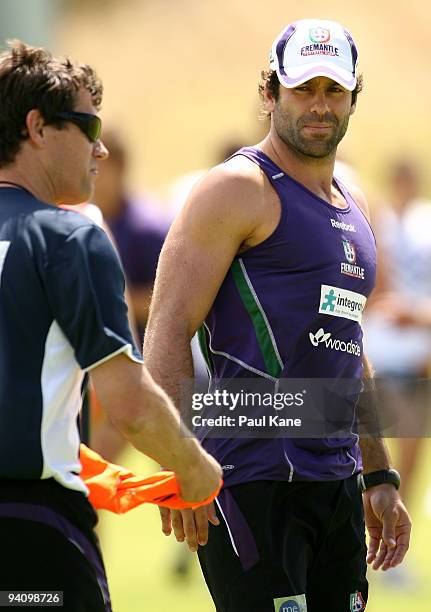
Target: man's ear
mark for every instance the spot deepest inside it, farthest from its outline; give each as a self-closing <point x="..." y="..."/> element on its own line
<point x="352" y="108"/>
<point x="268" y="100"/>
<point x="35" y="125"/>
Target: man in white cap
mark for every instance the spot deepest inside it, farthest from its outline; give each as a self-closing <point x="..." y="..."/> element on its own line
<point x="282" y="260"/>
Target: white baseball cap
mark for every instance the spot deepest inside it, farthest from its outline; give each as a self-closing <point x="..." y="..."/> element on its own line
<point x="314" y="47"/>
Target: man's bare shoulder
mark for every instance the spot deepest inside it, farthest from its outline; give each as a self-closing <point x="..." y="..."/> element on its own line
<point x="237" y="180"/>
<point x="360" y="199"/>
<point x="242" y="168"/>
<point x="235" y="192"/>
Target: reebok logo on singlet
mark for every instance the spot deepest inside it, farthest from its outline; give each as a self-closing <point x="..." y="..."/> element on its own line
<point x="347" y="227"/>
<point x="337" y="302"/>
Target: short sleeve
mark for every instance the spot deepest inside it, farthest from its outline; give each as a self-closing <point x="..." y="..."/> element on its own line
<point x="84" y="282"/>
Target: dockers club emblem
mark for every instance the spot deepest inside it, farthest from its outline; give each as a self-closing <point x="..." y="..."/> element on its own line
<point x="319" y="35"/>
<point x="349" y="251"/>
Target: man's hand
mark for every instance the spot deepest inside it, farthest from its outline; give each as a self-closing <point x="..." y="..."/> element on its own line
<point x="199" y="478"/>
<point x="388" y="524"/>
<point x="189" y="525"/>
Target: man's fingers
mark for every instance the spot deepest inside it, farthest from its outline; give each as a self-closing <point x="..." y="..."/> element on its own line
<point x="201" y="520"/>
<point x="401" y="549"/>
<point x="389" y="521"/>
<point x="387" y="561"/>
<point x="177" y="524"/>
<point x="380" y="557"/>
<point x="165" y="516"/>
<point x="404" y="529"/>
<point x="212" y="515"/>
<point x="373" y="548"/>
<point x="190" y="531"/>
<point x="190" y="525"/>
<point x="396" y="555"/>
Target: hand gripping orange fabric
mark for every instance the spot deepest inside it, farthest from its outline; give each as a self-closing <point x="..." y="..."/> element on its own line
<point x="114" y="488"/>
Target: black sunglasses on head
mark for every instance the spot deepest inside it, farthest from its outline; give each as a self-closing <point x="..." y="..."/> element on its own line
<point x="90" y="124"/>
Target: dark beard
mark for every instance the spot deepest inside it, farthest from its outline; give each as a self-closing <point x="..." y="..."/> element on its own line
<point x="315" y="148"/>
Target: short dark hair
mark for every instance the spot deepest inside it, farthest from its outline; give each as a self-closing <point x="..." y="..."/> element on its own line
<point x="269" y="80"/>
<point x="31" y="78"/>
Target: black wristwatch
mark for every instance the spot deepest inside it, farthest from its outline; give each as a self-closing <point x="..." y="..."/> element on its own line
<point x="389" y="476"/>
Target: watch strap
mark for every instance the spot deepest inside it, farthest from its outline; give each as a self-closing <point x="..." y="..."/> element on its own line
<point x="372" y="479"/>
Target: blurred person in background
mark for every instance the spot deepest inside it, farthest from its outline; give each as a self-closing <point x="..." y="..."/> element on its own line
<point x="138" y="227"/>
<point x="398" y="322"/>
<point x="62" y="315"/>
<point x="261" y="236"/>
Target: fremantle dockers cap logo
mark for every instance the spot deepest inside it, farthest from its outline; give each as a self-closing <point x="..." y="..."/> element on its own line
<point x="319" y="35"/>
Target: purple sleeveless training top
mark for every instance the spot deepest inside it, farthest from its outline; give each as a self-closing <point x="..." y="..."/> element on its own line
<point x="291" y="307"/>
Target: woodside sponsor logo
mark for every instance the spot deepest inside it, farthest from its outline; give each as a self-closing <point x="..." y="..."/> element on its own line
<point x="334" y="344"/>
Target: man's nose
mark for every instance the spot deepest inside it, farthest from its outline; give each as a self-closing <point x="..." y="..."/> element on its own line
<point x="320" y="104"/>
<point x="100" y="151"/>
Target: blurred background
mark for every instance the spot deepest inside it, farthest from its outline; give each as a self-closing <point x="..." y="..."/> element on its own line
<point x="180" y="80"/>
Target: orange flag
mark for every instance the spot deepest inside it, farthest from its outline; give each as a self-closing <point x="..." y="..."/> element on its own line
<point x="114" y="488"/>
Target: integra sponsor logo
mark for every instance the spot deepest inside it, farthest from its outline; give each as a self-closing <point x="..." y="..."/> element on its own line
<point x="347" y="227"/>
<point x="320" y="49"/>
<point x="320" y="337"/>
<point x="331" y="300"/>
<point x="337" y="302"/>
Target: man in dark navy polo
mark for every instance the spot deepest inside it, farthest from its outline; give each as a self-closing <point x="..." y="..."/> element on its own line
<point x="62" y="315"/>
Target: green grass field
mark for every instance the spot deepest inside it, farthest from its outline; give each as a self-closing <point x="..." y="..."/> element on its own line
<point x="139" y="560"/>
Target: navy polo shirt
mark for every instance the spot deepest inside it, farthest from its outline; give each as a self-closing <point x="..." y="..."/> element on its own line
<point x="62" y="313"/>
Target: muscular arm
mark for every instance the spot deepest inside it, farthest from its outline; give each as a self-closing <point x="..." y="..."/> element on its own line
<point x="220" y="215"/>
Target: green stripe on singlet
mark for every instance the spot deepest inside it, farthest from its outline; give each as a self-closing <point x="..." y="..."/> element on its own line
<point x="261" y="328"/>
<point x="204" y="347"/>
